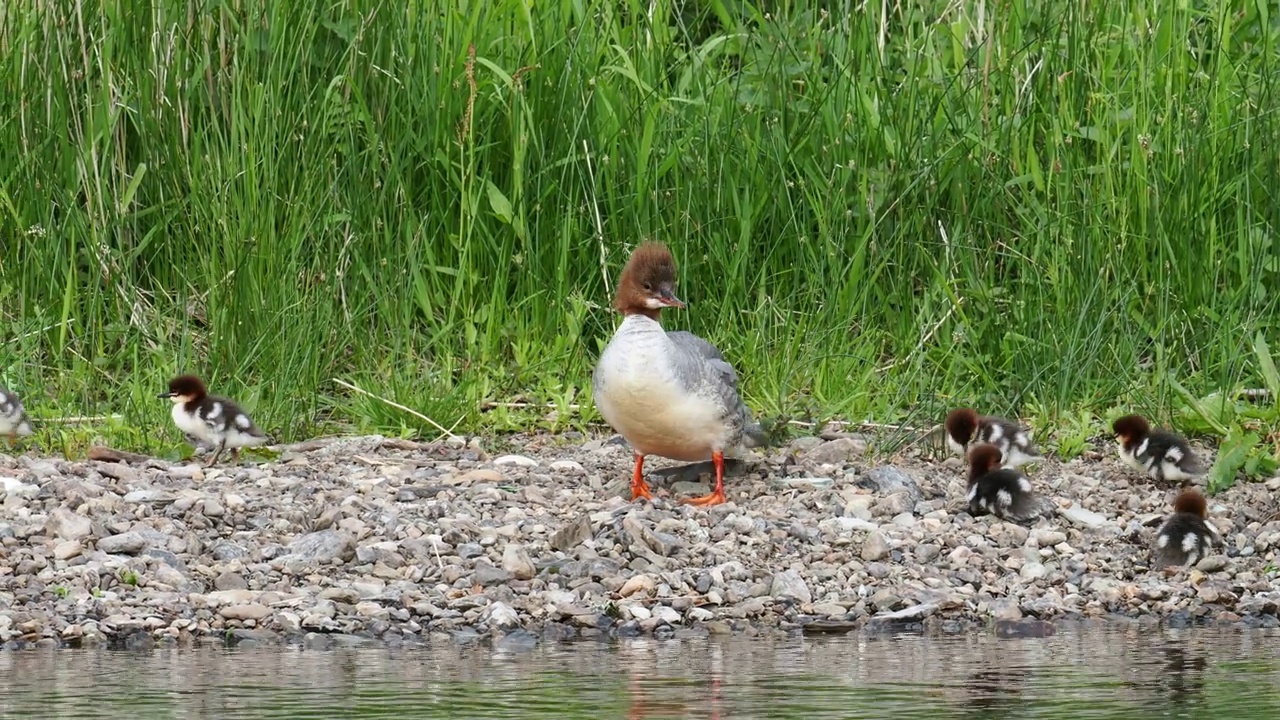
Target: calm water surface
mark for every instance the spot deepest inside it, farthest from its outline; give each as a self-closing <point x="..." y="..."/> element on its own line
<point x="1079" y="673"/>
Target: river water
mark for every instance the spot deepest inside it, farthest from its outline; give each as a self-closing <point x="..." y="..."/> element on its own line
<point x="1081" y="672"/>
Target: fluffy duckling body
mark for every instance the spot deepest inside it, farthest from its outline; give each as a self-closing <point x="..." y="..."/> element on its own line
<point x="1159" y="454"/>
<point x="668" y="393"/>
<point x="217" y="421"/>
<point x="13" y="418"/>
<point x="1186" y="536"/>
<point x="965" y="426"/>
<point x="1000" y="491"/>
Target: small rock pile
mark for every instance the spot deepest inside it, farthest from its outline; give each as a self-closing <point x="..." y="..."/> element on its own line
<point x="368" y="539"/>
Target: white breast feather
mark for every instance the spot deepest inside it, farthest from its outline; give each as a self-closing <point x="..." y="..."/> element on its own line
<point x="193" y="425"/>
<point x="643" y="401"/>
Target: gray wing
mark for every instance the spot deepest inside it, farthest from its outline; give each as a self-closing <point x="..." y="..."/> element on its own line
<point x="701" y="366"/>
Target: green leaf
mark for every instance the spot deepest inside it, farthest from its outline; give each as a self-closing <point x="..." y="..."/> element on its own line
<point x="499" y="203"/>
<point x="1232" y="455"/>
<point x="1196" y="405"/>
<point x="1267" y="366"/>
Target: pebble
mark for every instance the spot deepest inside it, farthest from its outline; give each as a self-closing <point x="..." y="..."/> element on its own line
<point x="352" y="539"/>
<point x="875" y="547"/>
<point x="517" y="460"/>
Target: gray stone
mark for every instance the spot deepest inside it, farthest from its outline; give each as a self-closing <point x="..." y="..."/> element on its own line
<point x="517" y="562"/>
<point x="1212" y="563"/>
<point x="1082" y="517"/>
<point x="836" y="452"/>
<point x="487" y="575"/>
<point x="572" y="535"/>
<point x="875" y="547"/>
<point x="127" y="543"/>
<point x="67" y="525"/>
<point x="888" y="480"/>
<point x="323" y="547"/>
<point x="789" y="584"/>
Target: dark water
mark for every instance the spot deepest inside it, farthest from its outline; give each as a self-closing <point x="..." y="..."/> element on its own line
<point x="1079" y="673"/>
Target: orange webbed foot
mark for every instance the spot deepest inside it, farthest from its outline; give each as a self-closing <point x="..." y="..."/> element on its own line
<point x="714" y="498"/>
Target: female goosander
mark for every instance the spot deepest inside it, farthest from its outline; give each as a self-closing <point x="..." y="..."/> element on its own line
<point x="1161" y="454"/>
<point x="965" y="426"/>
<point x="1185" y="536"/>
<point x="667" y="393"/>
<point x="212" y="419"/>
<point x="13" y="419"/>
<point x="1001" y="491"/>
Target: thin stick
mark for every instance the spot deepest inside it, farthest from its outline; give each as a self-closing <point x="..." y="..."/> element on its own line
<point x="859" y="425"/>
<point x="16" y="338"/>
<point x="927" y="337"/>
<point x="491" y="404"/>
<point x="595" y="211"/>
<point x="398" y="406"/>
<point x="79" y="419"/>
<point x="436" y="550"/>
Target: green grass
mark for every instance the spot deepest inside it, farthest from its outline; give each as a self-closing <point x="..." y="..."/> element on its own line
<point x="1037" y="208"/>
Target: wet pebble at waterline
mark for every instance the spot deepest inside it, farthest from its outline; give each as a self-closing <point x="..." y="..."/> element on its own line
<point x="358" y="540"/>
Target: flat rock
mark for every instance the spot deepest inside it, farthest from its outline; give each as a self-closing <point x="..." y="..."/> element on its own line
<point x="323" y="546"/>
<point x="1082" y="517"/>
<point x="789" y="584"/>
<point x="835" y="452"/>
<point x="888" y="480"/>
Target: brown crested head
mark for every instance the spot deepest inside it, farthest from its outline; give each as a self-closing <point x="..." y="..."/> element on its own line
<point x="983" y="458"/>
<point x="187" y="387"/>
<point x="1191" y="501"/>
<point x="961" y="423"/>
<point x="647" y="284"/>
<point x="1131" y="428"/>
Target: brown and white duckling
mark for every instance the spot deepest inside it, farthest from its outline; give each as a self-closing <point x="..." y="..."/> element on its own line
<point x="13" y="418"/>
<point x="964" y="426"/>
<point x="1160" y="454"/>
<point x="1186" y="536"/>
<point x="1000" y="491"/>
<point x="214" y="420"/>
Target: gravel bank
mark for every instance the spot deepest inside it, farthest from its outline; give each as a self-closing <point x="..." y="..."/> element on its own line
<point x="372" y="539"/>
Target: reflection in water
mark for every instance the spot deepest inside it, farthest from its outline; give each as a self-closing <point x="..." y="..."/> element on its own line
<point x="1082" y="672"/>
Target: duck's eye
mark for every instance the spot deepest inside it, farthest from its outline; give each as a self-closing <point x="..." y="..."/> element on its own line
<point x="648" y="286"/>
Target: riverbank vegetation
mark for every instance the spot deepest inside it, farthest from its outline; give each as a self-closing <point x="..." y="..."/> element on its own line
<point x="879" y="210"/>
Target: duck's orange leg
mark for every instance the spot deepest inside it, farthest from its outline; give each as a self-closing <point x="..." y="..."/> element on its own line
<point x="717" y="496"/>
<point x="639" y="488"/>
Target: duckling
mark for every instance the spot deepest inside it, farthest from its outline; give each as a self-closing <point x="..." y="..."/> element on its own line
<point x="965" y="426"/>
<point x="1186" y="536"/>
<point x="13" y="418"/>
<point x="1001" y="491"/>
<point x="1160" y="454"/>
<point x="214" y="420"/>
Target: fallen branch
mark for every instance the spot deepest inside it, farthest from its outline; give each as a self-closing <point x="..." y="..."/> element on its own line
<point x="398" y="406"/>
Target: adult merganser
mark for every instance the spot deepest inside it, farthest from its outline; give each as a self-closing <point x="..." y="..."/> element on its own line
<point x="13" y="419"/>
<point x="1003" y="492"/>
<point x="1186" y="536"/>
<point x="667" y="393"/>
<point x="1161" y="454"/>
<point x="965" y="426"/>
<point x="215" y="420"/>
